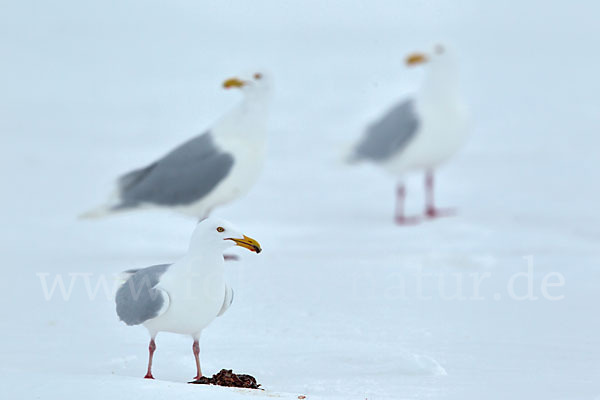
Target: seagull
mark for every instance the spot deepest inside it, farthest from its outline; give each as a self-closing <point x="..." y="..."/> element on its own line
<point x="209" y="170"/>
<point x="183" y="297"/>
<point x="420" y="132"/>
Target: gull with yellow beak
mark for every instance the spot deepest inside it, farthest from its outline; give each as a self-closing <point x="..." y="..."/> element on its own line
<point x="419" y="133"/>
<point x="186" y="296"/>
<point x="208" y="170"/>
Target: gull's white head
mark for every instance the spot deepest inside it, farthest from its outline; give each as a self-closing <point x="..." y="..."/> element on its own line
<point x="220" y="234"/>
<point x="252" y="83"/>
<point x="439" y="54"/>
<point x="441" y="80"/>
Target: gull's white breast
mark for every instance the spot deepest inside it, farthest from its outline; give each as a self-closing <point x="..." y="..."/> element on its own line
<point x="196" y="296"/>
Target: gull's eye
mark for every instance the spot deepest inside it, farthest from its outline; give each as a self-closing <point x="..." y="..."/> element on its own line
<point x="258" y="76"/>
<point x="220" y="229"/>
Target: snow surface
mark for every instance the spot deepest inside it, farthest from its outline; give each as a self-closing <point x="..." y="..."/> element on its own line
<point x="341" y="303"/>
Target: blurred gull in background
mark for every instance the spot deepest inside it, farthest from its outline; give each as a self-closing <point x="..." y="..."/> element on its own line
<point x="186" y="296"/>
<point x="209" y="170"/>
<point x="419" y="133"/>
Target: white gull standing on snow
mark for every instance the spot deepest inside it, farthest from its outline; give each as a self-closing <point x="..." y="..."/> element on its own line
<point x="419" y="133"/>
<point x="183" y="297"/>
<point x="208" y="170"/>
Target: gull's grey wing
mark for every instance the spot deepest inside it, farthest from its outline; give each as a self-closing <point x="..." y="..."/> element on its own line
<point x="183" y="176"/>
<point x="389" y="135"/>
<point x="138" y="299"/>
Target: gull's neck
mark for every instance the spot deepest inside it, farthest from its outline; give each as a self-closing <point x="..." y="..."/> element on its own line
<point x="441" y="84"/>
<point x="203" y="254"/>
<point x="202" y="251"/>
<point x="199" y="264"/>
<point x="250" y="115"/>
<point x="254" y="107"/>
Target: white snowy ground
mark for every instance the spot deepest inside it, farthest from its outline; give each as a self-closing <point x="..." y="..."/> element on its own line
<point x="341" y="303"/>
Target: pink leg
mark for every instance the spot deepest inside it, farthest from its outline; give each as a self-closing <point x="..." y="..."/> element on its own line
<point x="430" y="210"/>
<point x="151" y="348"/>
<point x="196" y="349"/>
<point x="401" y="219"/>
<point x="230" y="257"/>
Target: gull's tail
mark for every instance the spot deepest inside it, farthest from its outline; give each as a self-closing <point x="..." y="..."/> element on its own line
<point x="114" y="203"/>
<point x="348" y="155"/>
<point x="97" y="212"/>
<point x="112" y="206"/>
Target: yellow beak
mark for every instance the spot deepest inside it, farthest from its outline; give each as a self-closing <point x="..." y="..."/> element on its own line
<point x="233" y="83"/>
<point x="415" y="59"/>
<point x="247" y="243"/>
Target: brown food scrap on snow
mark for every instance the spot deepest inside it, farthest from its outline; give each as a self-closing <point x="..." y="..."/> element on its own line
<point x="226" y="377"/>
